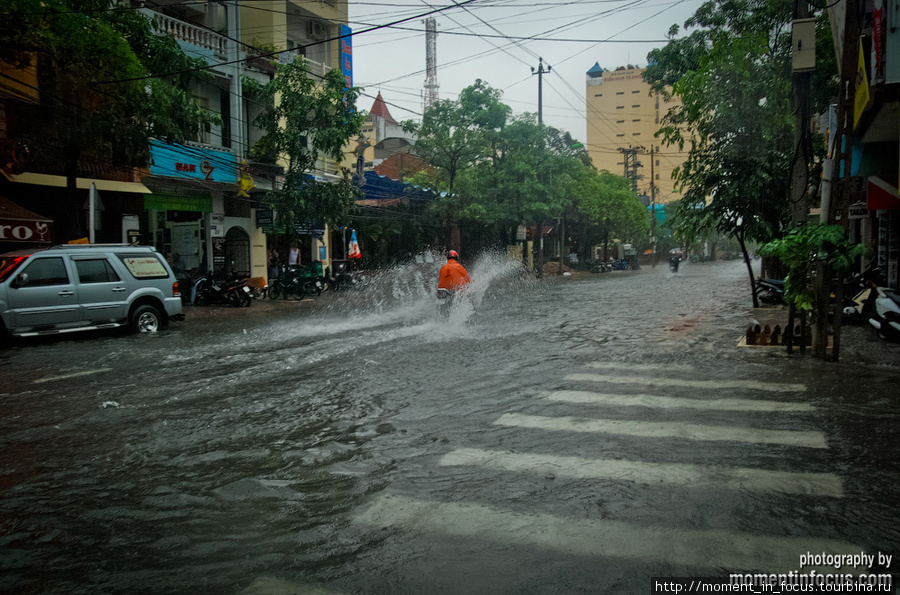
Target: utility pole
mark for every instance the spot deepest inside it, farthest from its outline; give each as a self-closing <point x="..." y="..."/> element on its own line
<point x="652" y="209"/>
<point x="540" y="72"/>
<point x="631" y="163"/>
<point x="804" y="54"/>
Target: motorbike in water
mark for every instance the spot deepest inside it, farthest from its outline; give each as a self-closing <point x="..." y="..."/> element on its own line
<point x="445" y="301"/>
<point x="208" y="291"/>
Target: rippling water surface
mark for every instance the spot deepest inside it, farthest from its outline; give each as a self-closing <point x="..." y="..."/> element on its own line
<point x="246" y="450"/>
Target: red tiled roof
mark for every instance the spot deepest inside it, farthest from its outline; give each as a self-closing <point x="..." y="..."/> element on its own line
<point x="379" y="108"/>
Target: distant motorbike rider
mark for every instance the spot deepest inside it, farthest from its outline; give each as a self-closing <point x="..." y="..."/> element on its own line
<point x="453" y="275"/>
<point x="674" y="261"/>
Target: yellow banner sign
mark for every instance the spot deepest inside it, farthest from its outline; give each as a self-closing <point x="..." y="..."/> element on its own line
<point x="861" y="100"/>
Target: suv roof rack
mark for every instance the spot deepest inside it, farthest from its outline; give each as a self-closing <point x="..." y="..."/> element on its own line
<point x="85" y="246"/>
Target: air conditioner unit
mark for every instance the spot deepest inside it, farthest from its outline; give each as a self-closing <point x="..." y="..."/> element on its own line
<point x="315" y="29"/>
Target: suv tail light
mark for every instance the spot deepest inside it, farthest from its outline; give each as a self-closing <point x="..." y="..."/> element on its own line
<point x="175" y="291"/>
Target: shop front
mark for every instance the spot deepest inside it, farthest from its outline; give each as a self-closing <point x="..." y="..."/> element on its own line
<point x="197" y="212"/>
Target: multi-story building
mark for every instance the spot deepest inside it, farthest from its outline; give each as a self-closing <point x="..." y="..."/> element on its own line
<point x="867" y="45"/>
<point x="623" y="115"/>
<point x="189" y="200"/>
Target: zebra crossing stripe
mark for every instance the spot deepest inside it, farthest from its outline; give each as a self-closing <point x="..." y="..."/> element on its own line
<point x="694" y="476"/>
<point x="680" y="430"/>
<point x="642" y="400"/>
<point x="679" y="382"/>
<point x="713" y="549"/>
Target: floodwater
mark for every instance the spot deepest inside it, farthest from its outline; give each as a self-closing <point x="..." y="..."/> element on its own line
<point x="551" y="437"/>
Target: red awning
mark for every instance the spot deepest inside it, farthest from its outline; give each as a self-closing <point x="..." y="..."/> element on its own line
<point x="882" y="194"/>
<point x="21" y="226"/>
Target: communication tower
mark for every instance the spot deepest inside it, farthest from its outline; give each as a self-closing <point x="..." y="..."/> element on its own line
<point x="430" y="93"/>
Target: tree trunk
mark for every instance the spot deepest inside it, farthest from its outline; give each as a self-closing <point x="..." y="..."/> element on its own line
<point x="740" y="239"/>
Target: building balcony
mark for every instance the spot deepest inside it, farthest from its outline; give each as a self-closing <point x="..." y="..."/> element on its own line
<point x="187" y="33"/>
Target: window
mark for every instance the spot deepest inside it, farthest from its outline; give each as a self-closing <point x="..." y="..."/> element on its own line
<point x="620" y="121"/>
<point x="636" y="105"/>
<point x="636" y="134"/>
<point x="657" y="176"/>
<point x="620" y="107"/>
<point x="620" y="93"/>
<point x="636" y="120"/>
<point x="144" y="266"/>
<point x="638" y="91"/>
<point x="46" y="271"/>
<point x="95" y="271"/>
<point x="620" y="135"/>
<point x="657" y="162"/>
<point x="599" y="95"/>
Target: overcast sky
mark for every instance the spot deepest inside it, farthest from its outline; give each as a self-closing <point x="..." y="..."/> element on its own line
<point x="478" y="41"/>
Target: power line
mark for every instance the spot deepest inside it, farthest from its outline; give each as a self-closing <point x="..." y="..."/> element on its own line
<point x="278" y="52"/>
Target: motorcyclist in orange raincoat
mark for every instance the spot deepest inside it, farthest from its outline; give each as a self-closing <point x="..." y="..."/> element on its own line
<point x="453" y="275"/>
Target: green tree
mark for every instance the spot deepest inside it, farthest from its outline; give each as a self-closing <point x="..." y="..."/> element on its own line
<point x="732" y="77"/>
<point x="456" y="133"/>
<point x="306" y="119"/>
<point x="102" y="89"/>
<point x="808" y="252"/>
<point x="608" y="208"/>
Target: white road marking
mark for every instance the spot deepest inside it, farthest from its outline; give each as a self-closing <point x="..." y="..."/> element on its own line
<point x="673" y="382"/>
<point x="664" y="430"/>
<point x="713" y="549"/>
<point x="72" y="375"/>
<point x="628" y="367"/>
<point x="642" y="400"/>
<point x="693" y="476"/>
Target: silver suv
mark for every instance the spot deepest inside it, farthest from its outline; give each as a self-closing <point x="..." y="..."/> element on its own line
<point x="77" y="287"/>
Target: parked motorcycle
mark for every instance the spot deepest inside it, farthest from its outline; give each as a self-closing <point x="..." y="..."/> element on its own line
<point x="344" y="279"/>
<point x="860" y="295"/>
<point x="886" y="316"/>
<point x="769" y="291"/>
<point x="207" y="291"/>
<point x="287" y="285"/>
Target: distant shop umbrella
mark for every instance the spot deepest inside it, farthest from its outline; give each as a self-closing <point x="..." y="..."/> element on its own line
<point x="354" y="246"/>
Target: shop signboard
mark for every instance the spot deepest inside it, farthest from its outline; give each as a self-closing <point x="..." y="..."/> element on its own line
<point x="264" y="218"/>
<point x="194" y="163"/>
<point x="347" y="55"/>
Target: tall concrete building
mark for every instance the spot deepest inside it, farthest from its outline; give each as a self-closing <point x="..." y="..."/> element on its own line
<point x="623" y="115"/>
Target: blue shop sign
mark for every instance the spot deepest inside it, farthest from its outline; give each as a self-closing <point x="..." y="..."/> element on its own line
<point x="180" y="161"/>
<point x="347" y="55"/>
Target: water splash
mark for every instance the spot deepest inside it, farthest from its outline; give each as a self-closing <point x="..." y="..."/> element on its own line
<point x="407" y="293"/>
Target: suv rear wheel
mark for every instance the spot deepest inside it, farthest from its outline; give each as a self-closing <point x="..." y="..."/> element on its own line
<point x="146" y="319"/>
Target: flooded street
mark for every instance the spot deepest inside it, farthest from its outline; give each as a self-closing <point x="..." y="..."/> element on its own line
<point x="551" y="437"/>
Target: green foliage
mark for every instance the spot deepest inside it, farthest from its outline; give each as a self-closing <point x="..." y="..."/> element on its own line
<point x="735" y="115"/>
<point x="455" y="134"/>
<point x="307" y="119"/>
<point x="803" y="249"/>
<point x="78" y="45"/>
<point x="496" y="173"/>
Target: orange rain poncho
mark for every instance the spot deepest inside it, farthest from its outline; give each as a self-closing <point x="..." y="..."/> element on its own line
<point x="453" y="276"/>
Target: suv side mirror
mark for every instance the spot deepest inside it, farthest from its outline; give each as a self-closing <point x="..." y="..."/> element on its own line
<point x="20" y="280"/>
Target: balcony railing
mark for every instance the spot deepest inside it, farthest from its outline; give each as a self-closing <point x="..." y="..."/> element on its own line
<point x="184" y="31"/>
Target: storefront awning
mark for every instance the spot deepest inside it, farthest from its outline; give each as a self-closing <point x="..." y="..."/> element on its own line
<point x="81" y="183"/>
<point x="882" y="194"/>
<point x="19" y="225"/>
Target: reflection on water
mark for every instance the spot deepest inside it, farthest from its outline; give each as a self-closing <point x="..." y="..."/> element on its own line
<point x="246" y="451"/>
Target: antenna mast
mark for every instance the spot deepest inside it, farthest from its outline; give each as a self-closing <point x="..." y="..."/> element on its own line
<point x="430" y="93"/>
